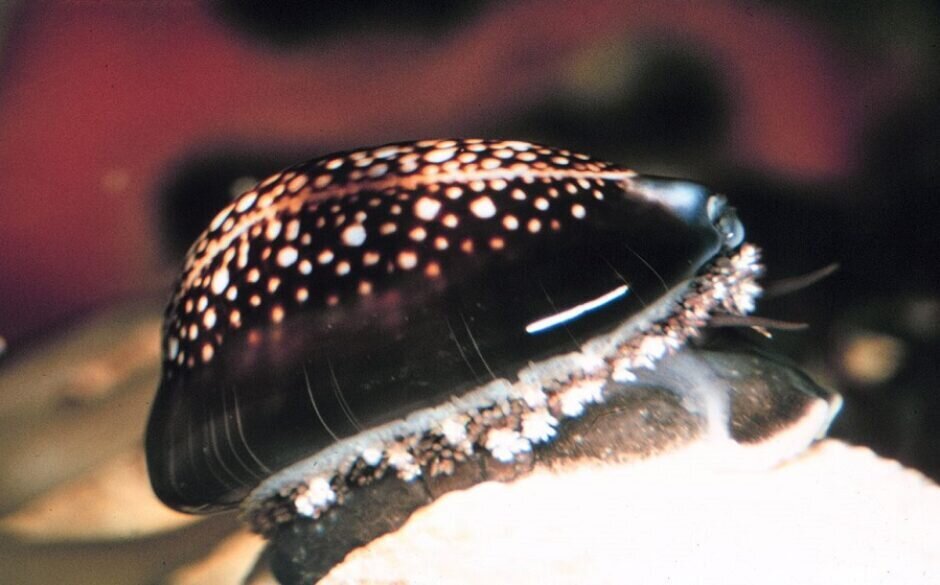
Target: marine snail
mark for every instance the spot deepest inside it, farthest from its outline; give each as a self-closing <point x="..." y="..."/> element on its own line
<point x="369" y="329"/>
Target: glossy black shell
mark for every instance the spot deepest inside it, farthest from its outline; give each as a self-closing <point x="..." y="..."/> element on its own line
<point x="348" y="291"/>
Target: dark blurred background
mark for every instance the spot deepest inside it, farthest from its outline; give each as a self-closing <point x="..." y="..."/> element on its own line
<point x="125" y="125"/>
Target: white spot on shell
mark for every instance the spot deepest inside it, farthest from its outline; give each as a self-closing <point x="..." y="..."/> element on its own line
<point x="219" y="218"/>
<point x="287" y="256"/>
<point x="274" y="228"/>
<point x="325" y="257"/>
<point x="243" y="249"/>
<point x="209" y="318"/>
<point x="386" y="152"/>
<point x="407" y="259"/>
<point x="246" y="201"/>
<point x="378" y="170"/>
<point x="440" y="155"/>
<point x="483" y="207"/>
<point x="297" y="183"/>
<point x="219" y="281"/>
<point x="427" y="208"/>
<point x="354" y="235"/>
<point x="270" y="180"/>
<point x="370" y="258"/>
<point x="578" y="211"/>
<point x="292" y="230"/>
<point x="418" y="234"/>
<point x="172" y="347"/>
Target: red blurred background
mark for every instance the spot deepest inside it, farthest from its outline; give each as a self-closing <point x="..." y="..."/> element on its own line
<point x="103" y="105"/>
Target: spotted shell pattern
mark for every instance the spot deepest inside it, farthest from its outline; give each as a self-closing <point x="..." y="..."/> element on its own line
<point x="402" y="206"/>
